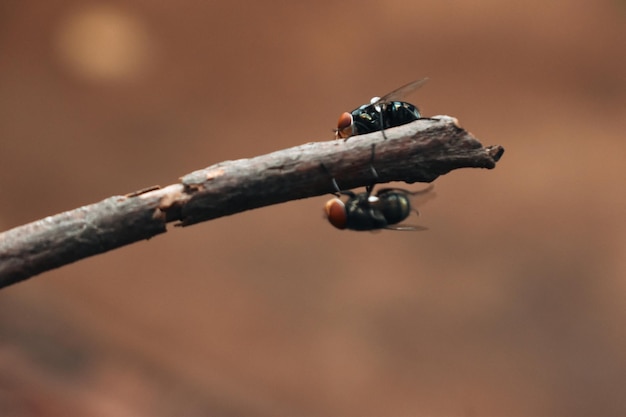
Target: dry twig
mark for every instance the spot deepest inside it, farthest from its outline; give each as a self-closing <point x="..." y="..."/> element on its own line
<point x="417" y="152"/>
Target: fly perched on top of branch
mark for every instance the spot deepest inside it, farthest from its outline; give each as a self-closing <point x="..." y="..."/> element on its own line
<point x="380" y="113"/>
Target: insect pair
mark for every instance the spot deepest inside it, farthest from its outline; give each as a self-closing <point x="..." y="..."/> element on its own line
<point x="389" y="206"/>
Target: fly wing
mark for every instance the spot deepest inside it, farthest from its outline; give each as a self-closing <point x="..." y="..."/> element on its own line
<point x="399" y="93"/>
<point x="406" y="228"/>
<point x="418" y="198"/>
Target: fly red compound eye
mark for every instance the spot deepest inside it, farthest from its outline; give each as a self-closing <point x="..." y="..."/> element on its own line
<point x="381" y="113"/>
<point x="344" y="126"/>
<point x="336" y="213"/>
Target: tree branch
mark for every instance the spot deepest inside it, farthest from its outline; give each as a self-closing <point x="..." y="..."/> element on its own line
<point x="417" y="152"/>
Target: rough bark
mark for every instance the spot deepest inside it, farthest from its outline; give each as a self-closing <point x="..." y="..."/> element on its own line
<point x="417" y="152"/>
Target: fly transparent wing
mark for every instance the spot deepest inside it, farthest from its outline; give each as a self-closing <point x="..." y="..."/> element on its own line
<point x="418" y="198"/>
<point x="399" y="93"/>
<point x="406" y="228"/>
<point x="421" y="197"/>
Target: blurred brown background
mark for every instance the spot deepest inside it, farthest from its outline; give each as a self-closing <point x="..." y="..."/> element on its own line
<point x="511" y="304"/>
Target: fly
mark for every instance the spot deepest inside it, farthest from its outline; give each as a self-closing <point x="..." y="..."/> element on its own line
<point x="381" y="113"/>
<point x="368" y="211"/>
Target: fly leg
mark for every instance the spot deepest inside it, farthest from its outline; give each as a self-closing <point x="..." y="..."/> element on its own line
<point x="381" y="111"/>
<point x="338" y="191"/>
<point x="370" y="187"/>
